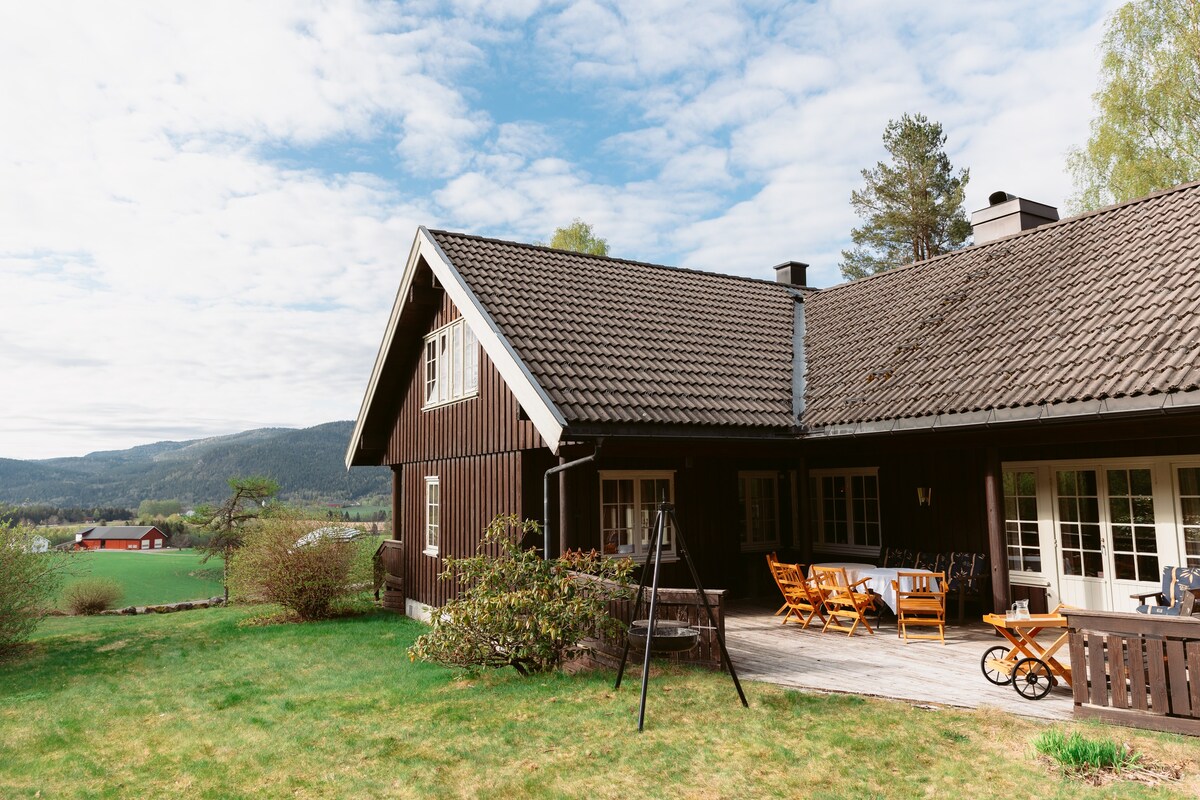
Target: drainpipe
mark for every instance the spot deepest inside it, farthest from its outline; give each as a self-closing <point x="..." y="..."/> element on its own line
<point x="562" y="543"/>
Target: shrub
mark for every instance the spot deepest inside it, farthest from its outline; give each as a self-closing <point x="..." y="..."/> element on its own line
<point x="518" y="610"/>
<point x="1078" y="753"/>
<point x="306" y="577"/>
<point x="92" y="595"/>
<point x="28" y="581"/>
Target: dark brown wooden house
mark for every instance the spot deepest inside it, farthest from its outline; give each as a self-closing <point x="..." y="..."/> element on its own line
<point x="1035" y="397"/>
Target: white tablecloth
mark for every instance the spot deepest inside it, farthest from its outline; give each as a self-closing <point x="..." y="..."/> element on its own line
<point x="853" y="568"/>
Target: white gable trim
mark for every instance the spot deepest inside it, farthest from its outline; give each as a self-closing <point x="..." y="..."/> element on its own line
<point x="532" y="397"/>
<point x="545" y="416"/>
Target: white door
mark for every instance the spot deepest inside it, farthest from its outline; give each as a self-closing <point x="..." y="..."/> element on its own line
<point x="1107" y="536"/>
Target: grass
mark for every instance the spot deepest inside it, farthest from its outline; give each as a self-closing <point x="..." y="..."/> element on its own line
<point x="1074" y="751"/>
<point x="201" y="705"/>
<point x="151" y="577"/>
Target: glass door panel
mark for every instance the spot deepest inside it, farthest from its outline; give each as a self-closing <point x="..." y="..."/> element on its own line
<point x="1079" y="523"/>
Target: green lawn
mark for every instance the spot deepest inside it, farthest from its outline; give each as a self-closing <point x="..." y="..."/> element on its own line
<point x="197" y="705"/>
<point x="151" y="577"/>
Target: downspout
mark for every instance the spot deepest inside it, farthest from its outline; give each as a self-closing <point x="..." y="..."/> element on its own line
<point x="546" y="499"/>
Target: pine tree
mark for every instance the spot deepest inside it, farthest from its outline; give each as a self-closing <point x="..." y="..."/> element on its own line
<point x="911" y="207"/>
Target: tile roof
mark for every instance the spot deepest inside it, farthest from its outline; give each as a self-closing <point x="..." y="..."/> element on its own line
<point x="1104" y="305"/>
<point x="117" y="532"/>
<point x="622" y="342"/>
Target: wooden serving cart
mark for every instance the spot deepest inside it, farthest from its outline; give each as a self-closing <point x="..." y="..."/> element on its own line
<point x="1029" y="664"/>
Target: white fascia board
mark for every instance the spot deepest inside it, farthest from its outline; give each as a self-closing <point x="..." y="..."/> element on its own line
<point x="545" y="416"/>
<point x="410" y="270"/>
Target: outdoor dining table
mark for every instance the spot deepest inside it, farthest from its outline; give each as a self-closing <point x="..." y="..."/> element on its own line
<point x="879" y="579"/>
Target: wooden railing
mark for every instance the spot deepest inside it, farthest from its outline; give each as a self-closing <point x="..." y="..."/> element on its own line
<point x="1141" y="670"/>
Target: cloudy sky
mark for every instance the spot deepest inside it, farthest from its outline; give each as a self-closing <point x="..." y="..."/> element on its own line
<point x="205" y="207"/>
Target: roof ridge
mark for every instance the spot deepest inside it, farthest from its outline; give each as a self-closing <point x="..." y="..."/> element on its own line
<point x="1028" y="232"/>
<point x="634" y="262"/>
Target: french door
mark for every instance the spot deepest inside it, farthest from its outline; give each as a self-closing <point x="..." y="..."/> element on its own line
<point x="1108" y="533"/>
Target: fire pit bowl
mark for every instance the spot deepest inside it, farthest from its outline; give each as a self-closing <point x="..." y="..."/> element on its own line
<point x="670" y="636"/>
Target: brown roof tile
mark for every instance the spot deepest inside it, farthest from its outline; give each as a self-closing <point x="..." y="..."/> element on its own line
<point x="622" y="342"/>
<point x="1098" y="306"/>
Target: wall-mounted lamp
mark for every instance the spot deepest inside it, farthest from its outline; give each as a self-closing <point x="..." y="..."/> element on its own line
<point x="924" y="495"/>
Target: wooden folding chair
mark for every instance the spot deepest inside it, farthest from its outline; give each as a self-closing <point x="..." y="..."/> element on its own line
<point x="800" y="597"/>
<point x="843" y="600"/>
<point x="772" y="560"/>
<point x="920" y="600"/>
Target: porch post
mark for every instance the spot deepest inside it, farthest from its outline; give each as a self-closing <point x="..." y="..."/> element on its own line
<point x="993" y="483"/>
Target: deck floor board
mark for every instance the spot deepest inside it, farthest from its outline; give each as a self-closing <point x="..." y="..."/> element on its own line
<point x="881" y="665"/>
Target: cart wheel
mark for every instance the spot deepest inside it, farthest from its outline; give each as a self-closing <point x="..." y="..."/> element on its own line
<point x="990" y="672"/>
<point x="1032" y="678"/>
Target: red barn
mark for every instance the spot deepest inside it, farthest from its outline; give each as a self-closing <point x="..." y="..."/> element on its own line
<point x="120" y="537"/>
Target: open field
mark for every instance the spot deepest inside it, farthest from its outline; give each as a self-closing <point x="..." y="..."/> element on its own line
<point x="164" y="576"/>
<point x="198" y="705"/>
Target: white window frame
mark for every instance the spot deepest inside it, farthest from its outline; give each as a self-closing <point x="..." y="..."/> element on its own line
<point x="450" y="365"/>
<point x="1038" y="492"/>
<point x="640" y="531"/>
<point x="817" y="501"/>
<point x="771" y="540"/>
<point x="433" y="522"/>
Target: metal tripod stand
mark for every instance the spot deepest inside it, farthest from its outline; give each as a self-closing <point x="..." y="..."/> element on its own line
<point x="666" y="511"/>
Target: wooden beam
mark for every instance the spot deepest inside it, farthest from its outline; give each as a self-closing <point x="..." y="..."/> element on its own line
<point x="424" y="295"/>
<point x="997" y="542"/>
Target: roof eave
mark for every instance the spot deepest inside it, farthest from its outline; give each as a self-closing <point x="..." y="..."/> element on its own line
<point x="531" y="396"/>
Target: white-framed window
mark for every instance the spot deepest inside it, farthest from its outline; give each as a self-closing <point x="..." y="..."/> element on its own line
<point x="433" y="513"/>
<point x="1021" y="521"/>
<point x="145" y="544"/>
<point x="1188" y="479"/>
<point x="845" y="509"/>
<point x="629" y="508"/>
<point x="758" y="506"/>
<point x="451" y="364"/>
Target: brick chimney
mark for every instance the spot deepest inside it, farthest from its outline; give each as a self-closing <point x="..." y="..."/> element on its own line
<point x="794" y="273"/>
<point x="1006" y="215"/>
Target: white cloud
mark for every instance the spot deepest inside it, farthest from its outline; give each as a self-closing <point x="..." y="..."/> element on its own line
<point x="207" y="206"/>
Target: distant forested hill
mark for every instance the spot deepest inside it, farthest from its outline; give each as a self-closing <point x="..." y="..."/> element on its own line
<point x="307" y="463"/>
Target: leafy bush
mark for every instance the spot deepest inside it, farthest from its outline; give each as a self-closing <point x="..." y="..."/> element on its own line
<point x="1076" y="752"/>
<point x="518" y="610"/>
<point x="28" y="581"/>
<point x="92" y="595"/>
<point x="301" y="565"/>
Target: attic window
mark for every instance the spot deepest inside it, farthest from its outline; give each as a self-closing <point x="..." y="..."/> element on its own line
<point x="451" y="364"/>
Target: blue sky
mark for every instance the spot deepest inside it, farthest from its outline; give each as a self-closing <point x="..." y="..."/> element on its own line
<point x="207" y="206"/>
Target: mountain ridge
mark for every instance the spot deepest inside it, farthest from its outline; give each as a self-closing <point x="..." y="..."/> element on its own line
<point x="307" y="462"/>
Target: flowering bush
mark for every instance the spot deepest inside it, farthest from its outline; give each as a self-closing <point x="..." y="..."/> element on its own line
<point x="515" y="609"/>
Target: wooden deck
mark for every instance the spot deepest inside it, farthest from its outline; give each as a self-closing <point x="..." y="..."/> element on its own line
<point x="879" y="666"/>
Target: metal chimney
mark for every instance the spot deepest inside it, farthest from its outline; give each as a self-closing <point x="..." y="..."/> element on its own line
<point x="794" y="273"/>
<point x="1007" y="214"/>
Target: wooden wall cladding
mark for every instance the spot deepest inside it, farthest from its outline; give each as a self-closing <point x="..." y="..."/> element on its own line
<point x="473" y="491"/>
<point x="487" y="423"/>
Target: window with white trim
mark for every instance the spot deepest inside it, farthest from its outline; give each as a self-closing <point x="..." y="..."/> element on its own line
<point x="1189" y="513"/>
<point x="758" y="506"/>
<point x="1021" y="521"/>
<point x="433" y="513"/>
<point x="451" y="364"/>
<point x="629" y="508"/>
<point x="845" y="509"/>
